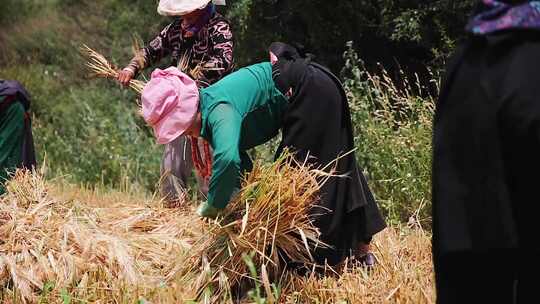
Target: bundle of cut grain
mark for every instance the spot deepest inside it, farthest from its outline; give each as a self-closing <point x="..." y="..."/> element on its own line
<point x="101" y="67"/>
<point x="268" y="219"/>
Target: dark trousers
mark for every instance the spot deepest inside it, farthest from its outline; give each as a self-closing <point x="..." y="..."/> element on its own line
<point x="498" y="277"/>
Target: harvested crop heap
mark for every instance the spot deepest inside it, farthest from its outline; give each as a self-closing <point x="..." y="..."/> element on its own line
<point x="80" y="246"/>
<point x="268" y="219"/>
<point x="61" y="242"/>
<point x="74" y="245"/>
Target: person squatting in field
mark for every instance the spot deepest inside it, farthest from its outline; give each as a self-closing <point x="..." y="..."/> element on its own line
<point x="201" y="37"/>
<point x="16" y="141"/>
<point x="486" y="149"/>
<point x="248" y="108"/>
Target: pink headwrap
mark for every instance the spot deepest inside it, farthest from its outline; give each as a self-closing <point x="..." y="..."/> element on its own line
<point x="170" y="102"/>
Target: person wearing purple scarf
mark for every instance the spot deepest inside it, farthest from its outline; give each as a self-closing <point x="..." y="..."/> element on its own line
<point x="486" y="160"/>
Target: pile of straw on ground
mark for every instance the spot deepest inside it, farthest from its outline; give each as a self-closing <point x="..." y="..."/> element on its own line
<point x="61" y="243"/>
<point x="73" y="245"/>
<point x="68" y="242"/>
<point x="269" y="221"/>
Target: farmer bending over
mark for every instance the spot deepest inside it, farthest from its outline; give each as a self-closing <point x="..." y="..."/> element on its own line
<point x="248" y="108"/>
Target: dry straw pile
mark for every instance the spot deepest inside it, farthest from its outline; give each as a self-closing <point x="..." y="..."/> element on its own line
<point x="71" y="244"/>
<point x="82" y="246"/>
<point x="61" y="242"/>
<point x="268" y="219"/>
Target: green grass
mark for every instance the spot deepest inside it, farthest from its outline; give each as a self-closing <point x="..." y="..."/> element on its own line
<point x="92" y="133"/>
<point x="393" y="137"/>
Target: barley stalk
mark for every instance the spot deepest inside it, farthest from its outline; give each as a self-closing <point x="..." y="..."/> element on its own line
<point x="102" y="68"/>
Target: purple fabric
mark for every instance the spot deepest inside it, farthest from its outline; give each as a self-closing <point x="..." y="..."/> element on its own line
<point x="203" y="19"/>
<point x="497" y="16"/>
<point x="14" y="88"/>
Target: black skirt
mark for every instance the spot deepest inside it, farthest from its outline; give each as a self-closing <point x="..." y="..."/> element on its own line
<point x="317" y="126"/>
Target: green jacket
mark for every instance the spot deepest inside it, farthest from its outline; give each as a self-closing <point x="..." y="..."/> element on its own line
<point x="239" y="112"/>
<point x="11" y="139"/>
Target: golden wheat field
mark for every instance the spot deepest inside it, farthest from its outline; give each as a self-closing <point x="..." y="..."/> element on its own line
<point x="66" y="244"/>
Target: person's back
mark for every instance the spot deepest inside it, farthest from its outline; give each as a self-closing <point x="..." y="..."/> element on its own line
<point x="485" y="144"/>
<point x="254" y="97"/>
<point x="485" y="161"/>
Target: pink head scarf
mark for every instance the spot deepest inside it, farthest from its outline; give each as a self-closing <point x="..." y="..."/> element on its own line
<point x="170" y="102"/>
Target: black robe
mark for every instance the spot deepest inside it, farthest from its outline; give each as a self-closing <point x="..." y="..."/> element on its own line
<point x="318" y="123"/>
<point x="486" y="160"/>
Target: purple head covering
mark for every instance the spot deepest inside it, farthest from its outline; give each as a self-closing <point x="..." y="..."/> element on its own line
<point x="207" y="14"/>
<point x="14" y="88"/>
<point x="503" y="15"/>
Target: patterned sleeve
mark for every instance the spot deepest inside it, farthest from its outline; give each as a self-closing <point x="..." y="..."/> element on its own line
<point x="158" y="48"/>
<point x="220" y="55"/>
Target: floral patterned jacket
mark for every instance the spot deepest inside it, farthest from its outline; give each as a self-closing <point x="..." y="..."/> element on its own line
<point x="211" y="49"/>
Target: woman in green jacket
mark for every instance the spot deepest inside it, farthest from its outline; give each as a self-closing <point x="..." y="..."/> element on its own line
<point x="250" y="107"/>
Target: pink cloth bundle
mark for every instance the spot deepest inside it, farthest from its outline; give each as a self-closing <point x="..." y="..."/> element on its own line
<point x="170" y="103"/>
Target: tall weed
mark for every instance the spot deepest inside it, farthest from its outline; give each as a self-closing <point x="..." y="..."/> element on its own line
<point x="392" y="125"/>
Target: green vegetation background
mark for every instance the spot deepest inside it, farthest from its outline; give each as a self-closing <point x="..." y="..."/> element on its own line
<point x="89" y="132"/>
